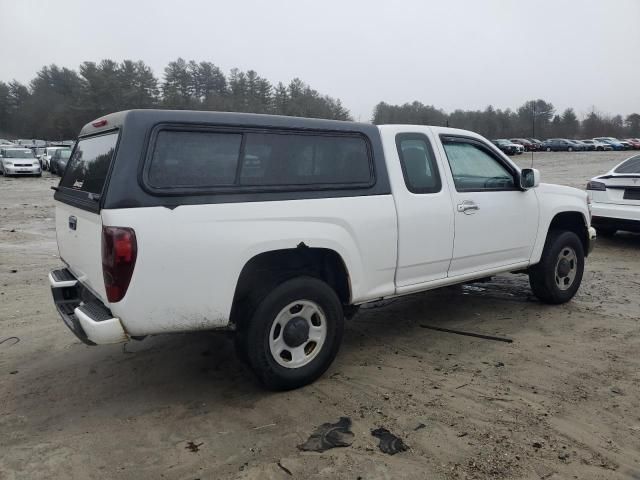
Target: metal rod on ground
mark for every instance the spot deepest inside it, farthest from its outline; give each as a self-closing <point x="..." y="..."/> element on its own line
<point x="469" y="334"/>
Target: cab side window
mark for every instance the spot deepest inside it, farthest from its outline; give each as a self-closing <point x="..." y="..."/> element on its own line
<point x="475" y="168"/>
<point x="418" y="163"/>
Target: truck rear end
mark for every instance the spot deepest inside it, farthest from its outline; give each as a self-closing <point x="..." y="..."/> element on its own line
<point x="98" y="260"/>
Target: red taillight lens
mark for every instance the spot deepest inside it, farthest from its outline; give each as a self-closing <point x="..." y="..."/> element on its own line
<point x="119" y="253"/>
<point x="99" y="123"/>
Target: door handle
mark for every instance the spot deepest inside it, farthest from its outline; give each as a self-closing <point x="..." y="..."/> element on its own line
<point x="468" y="207"/>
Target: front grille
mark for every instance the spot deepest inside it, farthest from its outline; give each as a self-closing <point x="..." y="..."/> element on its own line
<point x="23" y="165"/>
<point x="631" y="194"/>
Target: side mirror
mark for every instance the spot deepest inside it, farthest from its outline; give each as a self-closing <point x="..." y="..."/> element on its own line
<point x="529" y="178"/>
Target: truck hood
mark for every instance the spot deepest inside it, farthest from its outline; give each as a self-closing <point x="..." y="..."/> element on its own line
<point x="551" y="188"/>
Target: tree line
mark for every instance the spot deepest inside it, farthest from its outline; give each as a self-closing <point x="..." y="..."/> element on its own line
<point x="535" y="118"/>
<point x="59" y="101"/>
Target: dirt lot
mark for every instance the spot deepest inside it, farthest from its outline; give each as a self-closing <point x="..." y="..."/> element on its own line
<point x="561" y="401"/>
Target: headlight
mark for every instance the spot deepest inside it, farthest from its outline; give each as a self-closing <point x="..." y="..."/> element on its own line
<point x="598" y="186"/>
<point x="7" y="162"/>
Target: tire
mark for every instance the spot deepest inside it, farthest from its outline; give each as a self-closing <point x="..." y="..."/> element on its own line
<point x="548" y="149"/>
<point x="275" y="319"/>
<point x="546" y="278"/>
<point x="570" y="149"/>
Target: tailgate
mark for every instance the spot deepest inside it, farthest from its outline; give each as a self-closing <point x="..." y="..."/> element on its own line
<point x="79" y="234"/>
<point x="78" y="200"/>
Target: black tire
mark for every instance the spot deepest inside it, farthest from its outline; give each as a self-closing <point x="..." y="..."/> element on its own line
<point x="542" y="276"/>
<point x="253" y="339"/>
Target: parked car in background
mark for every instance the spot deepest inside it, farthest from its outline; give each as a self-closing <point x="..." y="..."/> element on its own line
<point x="634" y="142"/>
<point x="559" y="145"/>
<point x="587" y="147"/>
<point x="6" y="143"/>
<point x="519" y="148"/>
<point x="597" y="145"/>
<point x="615" y="198"/>
<point x="613" y="142"/>
<point x="527" y="144"/>
<point x="45" y="160"/>
<point x="19" y="161"/>
<point x="59" y="160"/>
<point x="506" y="146"/>
<point x="536" y="142"/>
<point x="579" y="146"/>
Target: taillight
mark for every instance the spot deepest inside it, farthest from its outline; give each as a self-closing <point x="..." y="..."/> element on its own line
<point x="598" y="186"/>
<point x="119" y="253"/>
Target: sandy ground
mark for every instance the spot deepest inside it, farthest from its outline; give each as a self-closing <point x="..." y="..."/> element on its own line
<point x="561" y="401"/>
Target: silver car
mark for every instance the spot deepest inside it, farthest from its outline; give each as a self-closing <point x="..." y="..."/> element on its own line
<point x="19" y="161"/>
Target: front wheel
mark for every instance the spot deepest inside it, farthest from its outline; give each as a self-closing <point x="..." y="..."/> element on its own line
<point x="557" y="277"/>
<point x="294" y="333"/>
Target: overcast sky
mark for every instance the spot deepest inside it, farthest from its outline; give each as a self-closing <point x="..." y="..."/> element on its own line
<point x="452" y="54"/>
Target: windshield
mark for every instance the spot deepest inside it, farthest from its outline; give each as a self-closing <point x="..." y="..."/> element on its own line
<point x="88" y="167"/>
<point x="631" y="165"/>
<point x="18" y="154"/>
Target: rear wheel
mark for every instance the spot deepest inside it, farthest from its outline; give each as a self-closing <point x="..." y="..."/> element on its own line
<point x="294" y="333"/>
<point x="557" y="277"/>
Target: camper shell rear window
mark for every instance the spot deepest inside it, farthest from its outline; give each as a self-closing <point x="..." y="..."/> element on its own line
<point x="89" y="164"/>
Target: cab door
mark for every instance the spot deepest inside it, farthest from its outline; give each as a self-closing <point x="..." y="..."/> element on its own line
<point x="423" y="203"/>
<point x="496" y="222"/>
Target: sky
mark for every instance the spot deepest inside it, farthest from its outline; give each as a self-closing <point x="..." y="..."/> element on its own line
<point x="453" y="54"/>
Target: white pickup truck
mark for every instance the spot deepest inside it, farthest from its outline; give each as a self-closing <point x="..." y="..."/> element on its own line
<point x="278" y="228"/>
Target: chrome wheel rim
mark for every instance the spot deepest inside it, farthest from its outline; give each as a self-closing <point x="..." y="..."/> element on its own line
<point x="566" y="268"/>
<point x="298" y="334"/>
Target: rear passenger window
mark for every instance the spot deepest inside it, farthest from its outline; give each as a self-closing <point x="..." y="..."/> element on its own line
<point x="631" y="165"/>
<point x="265" y="159"/>
<point x="194" y="159"/>
<point x="275" y="159"/>
<point x="418" y="163"/>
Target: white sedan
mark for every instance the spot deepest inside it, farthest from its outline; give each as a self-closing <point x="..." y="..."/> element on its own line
<point x="615" y="198"/>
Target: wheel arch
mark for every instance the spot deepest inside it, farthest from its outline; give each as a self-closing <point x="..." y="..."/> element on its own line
<point x="570" y="220"/>
<point x="267" y="269"/>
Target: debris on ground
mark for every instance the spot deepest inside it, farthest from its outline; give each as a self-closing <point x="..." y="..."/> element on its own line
<point x="389" y="443"/>
<point x="284" y="469"/>
<point x="193" y="447"/>
<point x="329" y="435"/>
<point x="469" y="334"/>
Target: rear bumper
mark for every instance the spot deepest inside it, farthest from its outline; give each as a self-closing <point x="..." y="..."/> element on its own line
<point x="611" y="215"/>
<point x="85" y="315"/>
